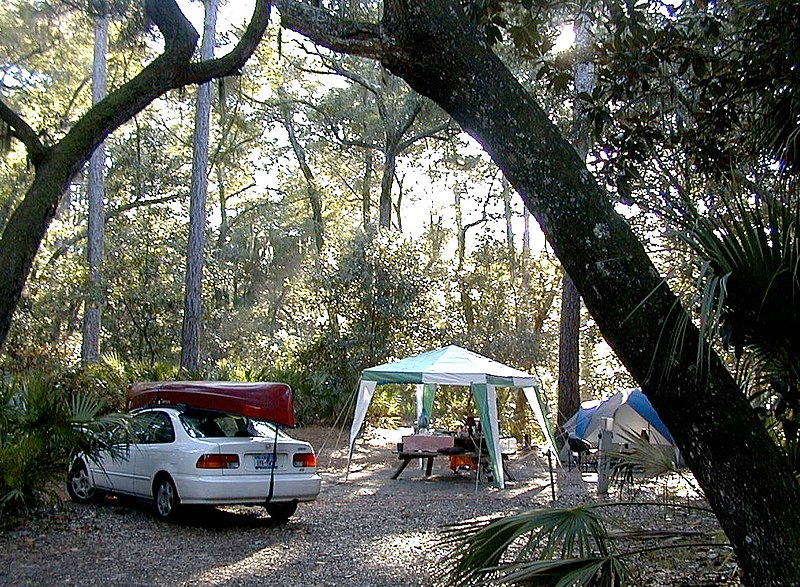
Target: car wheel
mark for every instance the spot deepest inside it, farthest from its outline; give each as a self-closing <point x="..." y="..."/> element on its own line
<point x="282" y="511"/>
<point x="166" y="499"/>
<point x="79" y="484"/>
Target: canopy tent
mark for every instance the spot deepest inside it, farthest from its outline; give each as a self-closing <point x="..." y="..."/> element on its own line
<point x="631" y="412"/>
<point x="453" y="365"/>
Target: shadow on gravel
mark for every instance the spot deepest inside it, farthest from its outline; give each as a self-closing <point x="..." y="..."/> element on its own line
<point x="202" y="517"/>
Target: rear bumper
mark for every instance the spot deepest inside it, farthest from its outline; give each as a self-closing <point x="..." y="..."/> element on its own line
<point x="197" y="490"/>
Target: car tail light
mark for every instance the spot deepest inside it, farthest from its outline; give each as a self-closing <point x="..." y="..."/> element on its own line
<point x="304" y="459"/>
<point x="218" y="461"/>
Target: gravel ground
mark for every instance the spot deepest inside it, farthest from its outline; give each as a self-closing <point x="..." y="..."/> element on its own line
<point x="368" y="530"/>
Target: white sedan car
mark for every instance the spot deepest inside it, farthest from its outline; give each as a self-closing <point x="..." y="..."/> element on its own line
<point x="182" y="456"/>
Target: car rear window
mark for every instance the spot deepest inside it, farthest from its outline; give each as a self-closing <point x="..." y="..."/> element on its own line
<point x="206" y="424"/>
<point x="215" y="425"/>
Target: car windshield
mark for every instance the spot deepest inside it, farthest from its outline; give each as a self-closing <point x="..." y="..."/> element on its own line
<point x="207" y="424"/>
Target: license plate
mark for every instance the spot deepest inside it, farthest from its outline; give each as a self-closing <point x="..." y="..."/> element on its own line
<point x="266" y="461"/>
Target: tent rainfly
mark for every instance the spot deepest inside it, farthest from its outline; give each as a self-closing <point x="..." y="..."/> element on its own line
<point x="453" y="365"/>
<point x="631" y="412"/>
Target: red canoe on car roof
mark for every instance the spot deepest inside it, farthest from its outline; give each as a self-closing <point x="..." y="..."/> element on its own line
<point x="272" y="402"/>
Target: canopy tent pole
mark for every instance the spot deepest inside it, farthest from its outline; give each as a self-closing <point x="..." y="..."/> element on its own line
<point x="486" y="399"/>
<point x="538" y="407"/>
<point x="366" y="389"/>
<point x="453" y="365"/>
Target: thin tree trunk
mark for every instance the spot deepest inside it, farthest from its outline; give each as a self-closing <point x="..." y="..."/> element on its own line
<point x="192" y="303"/>
<point x="385" y="207"/>
<point x="569" y="393"/>
<point x="526" y="248"/>
<point x="398" y="205"/>
<point x="509" y="214"/>
<point x="92" y="317"/>
<point x="366" y="188"/>
<point x="569" y="396"/>
<point x="312" y="189"/>
<point x="463" y="289"/>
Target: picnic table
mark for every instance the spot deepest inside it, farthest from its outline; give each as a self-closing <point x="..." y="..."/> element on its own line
<point x="427" y="447"/>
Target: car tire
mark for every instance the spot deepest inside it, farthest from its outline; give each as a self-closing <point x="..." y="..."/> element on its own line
<point x="79" y="484"/>
<point x="165" y="498"/>
<point x="281" y="511"/>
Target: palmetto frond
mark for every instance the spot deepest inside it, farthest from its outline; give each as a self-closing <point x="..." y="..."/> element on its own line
<point x="651" y="459"/>
<point x="95" y="431"/>
<point x="41" y="425"/>
<point x="750" y="262"/>
<point x="747" y="242"/>
<point x="648" y="460"/>
<point x="527" y="543"/>
<point x="601" y="571"/>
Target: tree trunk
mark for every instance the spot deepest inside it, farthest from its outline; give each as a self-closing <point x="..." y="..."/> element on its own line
<point x="193" y="297"/>
<point x="312" y="189"/>
<point x="747" y="481"/>
<point x="569" y="393"/>
<point x="509" y="214"/>
<point x="56" y="166"/>
<point x="92" y="316"/>
<point x="385" y="206"/>
<point x="366" y="188"/>
<point x="463" y="287"/>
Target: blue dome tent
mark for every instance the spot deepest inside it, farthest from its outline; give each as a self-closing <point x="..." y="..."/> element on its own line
<point x="631" y="411"/>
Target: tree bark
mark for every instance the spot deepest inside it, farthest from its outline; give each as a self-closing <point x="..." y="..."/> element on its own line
<point x="312" y="189"/>
<point x="387" y="181"/>
<point x="366" y="189"/>
<point x="93" y="309"/>
<point x="432" y="45"/>
<point x="56" y="166"/>
<point x="569" y="393"/>
<point x="193" y="294"/>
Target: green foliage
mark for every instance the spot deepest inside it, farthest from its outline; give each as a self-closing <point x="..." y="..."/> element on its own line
<point x="41" y="426"/>
<point x="750" y="256"/>
<point x="747" y="247"/>
<point x="511" y="299"/>
<point x="563" y="547"/>
<point x="380" y="306"/>
<point x="391" y="407"/>
<point x="547" y="547"/>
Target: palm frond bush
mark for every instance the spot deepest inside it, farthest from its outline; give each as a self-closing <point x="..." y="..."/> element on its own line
<point x="581" y="546"/>
<point x="643" y="461"/>
<point x="748" y="248"/>
<point x="546" y="546"/>
<point x="41" y="427"/>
